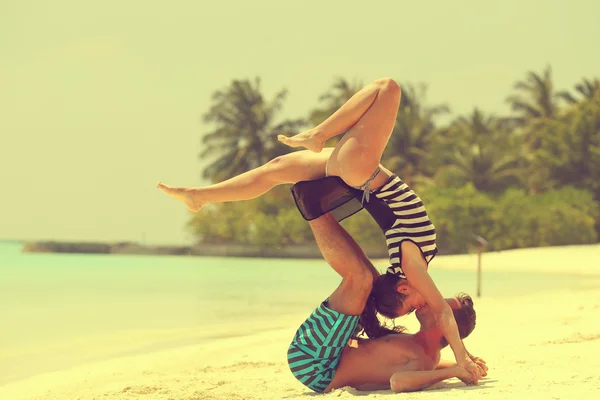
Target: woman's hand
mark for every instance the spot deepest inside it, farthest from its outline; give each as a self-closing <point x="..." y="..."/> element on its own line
<point x="480" y="362"/>
<point x="475" y="370"/>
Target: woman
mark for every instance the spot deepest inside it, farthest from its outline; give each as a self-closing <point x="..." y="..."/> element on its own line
<point x="368" y="119"/>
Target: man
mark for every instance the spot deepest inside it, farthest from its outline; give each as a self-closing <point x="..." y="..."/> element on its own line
<point x="319" y="356"/>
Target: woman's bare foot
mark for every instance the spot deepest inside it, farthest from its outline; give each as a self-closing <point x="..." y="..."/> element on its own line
<point x="182" y="194"/>
<point x="309" y="139"/>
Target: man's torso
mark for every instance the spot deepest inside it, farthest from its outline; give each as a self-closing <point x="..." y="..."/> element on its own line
<point x="371" y="365"/>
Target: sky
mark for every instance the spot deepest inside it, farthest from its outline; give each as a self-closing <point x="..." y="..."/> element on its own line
<point x="100" y="100"/>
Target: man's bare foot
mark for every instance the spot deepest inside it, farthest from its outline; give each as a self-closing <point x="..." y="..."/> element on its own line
<point x="182" y="194"/>
<point x="309" y="139"/>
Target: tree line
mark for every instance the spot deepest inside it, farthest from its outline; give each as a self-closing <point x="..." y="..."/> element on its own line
<point x="526" y="179"/>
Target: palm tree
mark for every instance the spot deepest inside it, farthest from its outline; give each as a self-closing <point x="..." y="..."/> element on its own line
<point x="570" y="151"/>
<point x="566" y="143"/>
<point x="245" y="130"/>
<point x="535" y="97"/>
<point x="587" y="89"/>
<point x="572" y="148"/>
<point x="534" y="102"/>
<point x="413" y="135"/>
<point x="482" y="155"/>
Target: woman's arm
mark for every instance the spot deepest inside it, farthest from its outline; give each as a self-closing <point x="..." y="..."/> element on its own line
<point x="415" y="269"/>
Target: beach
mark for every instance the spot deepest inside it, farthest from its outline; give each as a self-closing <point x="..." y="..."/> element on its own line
<point x="541" y="345"/>
<point x="172" y="174"/>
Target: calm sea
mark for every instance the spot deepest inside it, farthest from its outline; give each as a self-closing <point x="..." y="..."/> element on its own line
<point x="52" y="303"/>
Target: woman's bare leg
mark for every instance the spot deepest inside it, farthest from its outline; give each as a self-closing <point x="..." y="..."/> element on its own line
<point x="290" y="168"/>
<point x="369" y="116"/>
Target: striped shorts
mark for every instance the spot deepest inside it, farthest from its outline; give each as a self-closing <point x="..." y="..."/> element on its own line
<point x="317" y="347"/>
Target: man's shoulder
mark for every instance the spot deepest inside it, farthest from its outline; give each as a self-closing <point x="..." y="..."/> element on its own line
<point x="399" y="341"/>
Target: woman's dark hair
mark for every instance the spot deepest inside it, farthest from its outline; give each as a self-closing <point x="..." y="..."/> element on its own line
<point x="385" y="299"/>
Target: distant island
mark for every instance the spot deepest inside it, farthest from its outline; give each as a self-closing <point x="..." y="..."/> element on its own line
<point x="11" y="241"/>
<point x="208" y="250"/>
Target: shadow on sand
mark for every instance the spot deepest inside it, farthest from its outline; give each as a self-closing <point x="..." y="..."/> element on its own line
<point x="439" y="387"/>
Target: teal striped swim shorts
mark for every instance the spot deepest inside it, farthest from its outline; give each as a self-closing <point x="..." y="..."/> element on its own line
<point x="317" y="347"/>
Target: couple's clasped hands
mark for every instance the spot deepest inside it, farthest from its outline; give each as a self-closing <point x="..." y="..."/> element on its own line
<point x="475" y="366"/>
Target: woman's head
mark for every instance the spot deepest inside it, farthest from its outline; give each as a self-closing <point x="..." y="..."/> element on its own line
<point x="395" y="296"/>
<point x="392" y="297"/>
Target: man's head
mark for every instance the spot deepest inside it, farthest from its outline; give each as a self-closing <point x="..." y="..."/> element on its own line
<point x="464" y="314"/>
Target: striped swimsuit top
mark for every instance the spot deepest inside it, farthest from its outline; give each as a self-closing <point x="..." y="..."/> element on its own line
<point x="401" y="215"/>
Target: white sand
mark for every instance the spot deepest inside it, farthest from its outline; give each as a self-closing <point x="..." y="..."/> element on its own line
<point x="573" y="260"/>
<point x="542" y="346"/>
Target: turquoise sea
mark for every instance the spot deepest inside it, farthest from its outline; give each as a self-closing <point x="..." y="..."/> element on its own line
<point x="60" y="310"/>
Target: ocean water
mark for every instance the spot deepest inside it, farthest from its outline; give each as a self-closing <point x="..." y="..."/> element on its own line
<point x="57" y="310"/>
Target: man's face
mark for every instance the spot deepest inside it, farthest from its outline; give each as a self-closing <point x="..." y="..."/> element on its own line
<point x="427" y="318"/>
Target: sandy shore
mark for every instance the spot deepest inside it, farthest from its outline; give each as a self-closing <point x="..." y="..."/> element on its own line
<point x="576" y="260"/>
<point x="542" y="346"/>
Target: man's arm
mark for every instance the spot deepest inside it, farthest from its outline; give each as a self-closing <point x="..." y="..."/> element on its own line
<point x="449" y="364"/>
<point x="412" y="381"/>
<point x="445" y="364"/>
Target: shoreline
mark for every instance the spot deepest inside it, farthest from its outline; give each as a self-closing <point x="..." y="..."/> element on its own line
<point x="553" y="257"/>
<point x="308" y="251"/>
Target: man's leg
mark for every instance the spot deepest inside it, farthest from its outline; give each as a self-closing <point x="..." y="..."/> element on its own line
<point x="290" y="168"/>
<point x="346" y="257"/>
<point x="318" y="344"/>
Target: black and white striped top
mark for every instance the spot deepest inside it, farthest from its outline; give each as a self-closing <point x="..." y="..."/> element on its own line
<point x="402" y="216"/>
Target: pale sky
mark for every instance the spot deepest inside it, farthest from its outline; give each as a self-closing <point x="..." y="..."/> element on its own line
<point x="99" y="100"/>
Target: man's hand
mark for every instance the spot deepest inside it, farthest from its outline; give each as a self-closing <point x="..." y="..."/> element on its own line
<point x="462" y="374"/>
<point x="480" y="362"/>
<point x="475" y="370"/>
